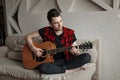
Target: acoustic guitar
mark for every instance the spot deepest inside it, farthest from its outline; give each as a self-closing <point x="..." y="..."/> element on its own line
<point x="30" y="61"/>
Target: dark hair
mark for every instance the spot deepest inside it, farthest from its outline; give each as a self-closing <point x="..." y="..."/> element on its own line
<point x="52" y="13"/>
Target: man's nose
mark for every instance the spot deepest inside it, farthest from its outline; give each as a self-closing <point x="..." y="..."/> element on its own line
<point x="59" y="24"/>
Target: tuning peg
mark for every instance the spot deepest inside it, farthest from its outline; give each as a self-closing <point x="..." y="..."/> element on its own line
<point x="82" y="47"/>
<point x="86" y="46"/>
<point x="90" y="45"/>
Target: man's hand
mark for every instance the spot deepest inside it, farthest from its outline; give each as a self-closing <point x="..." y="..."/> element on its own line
<point x="75" y="51"/>
<point x="37" y="51"/>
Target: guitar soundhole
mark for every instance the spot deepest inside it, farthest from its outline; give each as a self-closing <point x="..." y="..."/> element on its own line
<point x="37" y="59"/>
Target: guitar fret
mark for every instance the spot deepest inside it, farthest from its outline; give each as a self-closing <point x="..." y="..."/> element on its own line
<point x="52" y="51"/>
<point x="58" y="50"/>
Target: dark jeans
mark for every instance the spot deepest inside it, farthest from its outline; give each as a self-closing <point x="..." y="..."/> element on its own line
<point x="61" y="65"/>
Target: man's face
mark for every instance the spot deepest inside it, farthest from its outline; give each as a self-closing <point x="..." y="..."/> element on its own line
<point x="57" y="23"/>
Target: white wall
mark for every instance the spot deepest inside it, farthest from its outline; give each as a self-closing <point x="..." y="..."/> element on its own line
<point x="86" y="17"/>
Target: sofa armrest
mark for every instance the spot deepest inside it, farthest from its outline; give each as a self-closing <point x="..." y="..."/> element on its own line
<point x="3" y="51"/>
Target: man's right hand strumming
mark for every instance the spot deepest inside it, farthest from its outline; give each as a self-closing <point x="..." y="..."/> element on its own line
<point x="37" y="51"/>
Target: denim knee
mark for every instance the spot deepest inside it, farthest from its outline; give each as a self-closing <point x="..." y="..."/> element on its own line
<point x="87" y="57"/>
<point x="43" y="67"/>
<point x="50" y="68"/>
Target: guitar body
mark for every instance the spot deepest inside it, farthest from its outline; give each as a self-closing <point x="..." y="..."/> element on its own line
<point x="30" y="61"/>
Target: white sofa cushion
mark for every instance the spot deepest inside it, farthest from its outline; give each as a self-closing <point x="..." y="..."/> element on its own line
<point x="13" y="68"/>
<point x="15" y="55"/>
<point x="3" y="51"/>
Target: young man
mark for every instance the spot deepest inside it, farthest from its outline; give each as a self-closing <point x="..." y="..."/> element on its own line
<point x="61" y="36"/>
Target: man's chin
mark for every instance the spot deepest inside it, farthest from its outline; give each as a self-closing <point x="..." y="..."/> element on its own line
<point x="58" y="29"/>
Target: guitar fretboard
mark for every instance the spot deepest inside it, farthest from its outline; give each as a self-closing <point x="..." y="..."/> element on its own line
<point x="58" y="50"/>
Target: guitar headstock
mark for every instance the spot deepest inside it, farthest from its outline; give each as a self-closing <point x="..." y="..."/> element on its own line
<point x="86" y="45"/>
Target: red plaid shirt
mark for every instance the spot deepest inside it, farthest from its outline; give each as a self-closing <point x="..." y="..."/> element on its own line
<point x="48" y="34"/>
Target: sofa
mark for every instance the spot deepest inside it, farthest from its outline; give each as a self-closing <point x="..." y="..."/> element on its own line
<point x="11" y="66"/>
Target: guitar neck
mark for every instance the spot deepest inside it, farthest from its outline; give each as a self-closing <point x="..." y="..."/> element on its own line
<point x="86" y="45"/>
